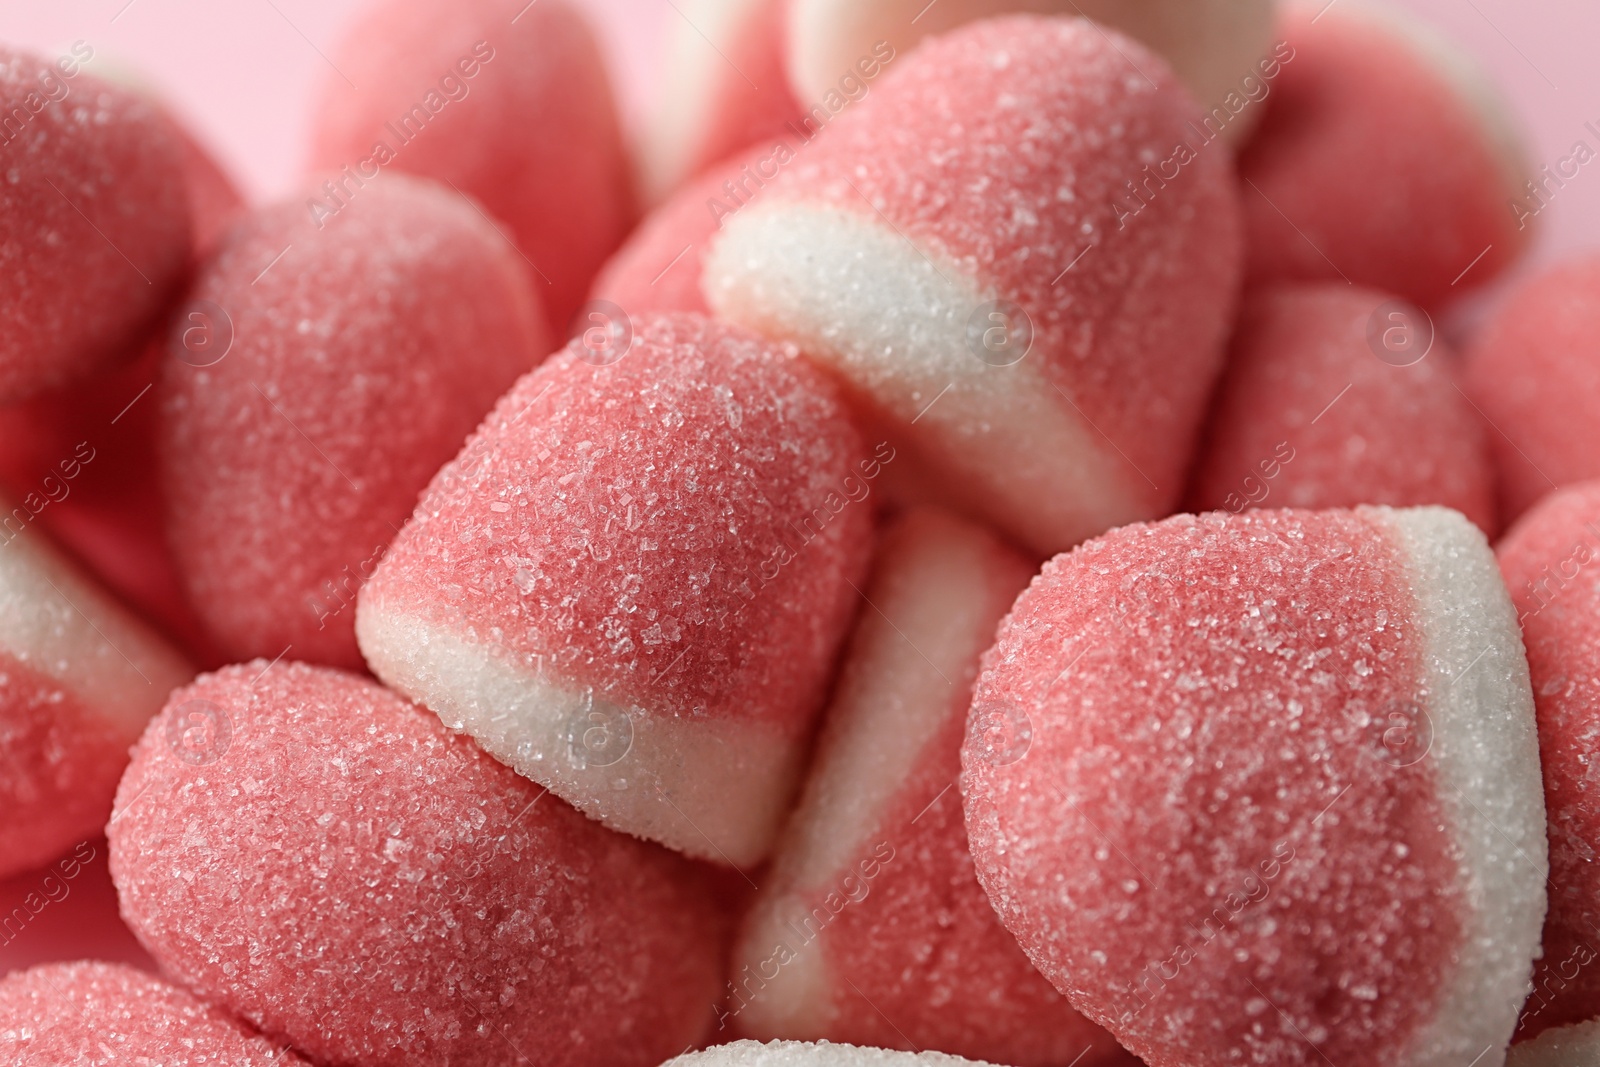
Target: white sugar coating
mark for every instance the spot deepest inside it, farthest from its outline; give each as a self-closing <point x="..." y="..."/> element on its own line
<point x="539" y="727"/>
<point x="1562" y="1046"/>
<point x="836" y="280"/>
<point x="108" y="1015"/>
<point x="809" y="1054"/>
<point x="1486" y="750"/>
<point x="57" y="620"/>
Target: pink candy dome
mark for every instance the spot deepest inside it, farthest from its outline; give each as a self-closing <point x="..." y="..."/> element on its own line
<point x="1021" y="256"/>
<point x="1346" y="179"/>
<point x="325" y="860"/>
<point x="871" y="927"/>
<point x="94" y="220"/>
<point x="503" y="100"/>
<point x="103" y="1013"/>
<point x="300" y="347"/>
<point x="631" y="584"/>
<point x="1534" y="372"/>
<point x="1551" y="561"/>
<point x="1265" y="788"/>
<point x="1337" y="396"/>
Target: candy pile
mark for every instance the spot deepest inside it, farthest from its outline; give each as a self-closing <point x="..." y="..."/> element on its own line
<point x="1001" y="570"/>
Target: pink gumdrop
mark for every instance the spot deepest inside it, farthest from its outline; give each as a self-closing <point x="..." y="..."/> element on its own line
<point x="659" y="268"/>
<point x="1343" y="181"/>
<point x="724" y="89"/>
<point x="1551" y="561"/>
<point x="103" y="1013"/>
<point x="326" y="860"/>
<point x="1265" y="788"/>
<point x="94" y="220"/>
<point x="318" y="376"/>
<point x="79" y="678"/>
<point x="1335" y="397"/>
<point x="979" y="268"/>
<point x="83" y="457"/>
<point x="504" y="100"/>
<point x="1534" y="372"/>
<point x="631" y="583"/>
<point x="871" y="927"/>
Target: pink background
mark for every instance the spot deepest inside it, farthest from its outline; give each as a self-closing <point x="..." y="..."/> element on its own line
<point x="244" y="73"/>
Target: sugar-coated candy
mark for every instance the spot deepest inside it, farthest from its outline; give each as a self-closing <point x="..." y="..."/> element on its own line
<point x="723" y="89"/>
<point x="94" y="220"/>
<point x="660" y="266"/>
<point x="968" y="248"/>
<point x="1265" y="788"/>
<point x="506" y="101"/>
<point x="871" y="927"/>
<point x="1577" y="1045"/>
<point x="1343" y="181"/>
<point x="79" y="678"/>
<point x="331" y="864"/>
<point x="82" y="458"/>
<point x="807" y="1054"/>
<point x="318" y="378"/>
<point x="1220" y="48"/>
<point x="631" y="583"/>
<point x="1551" y="562"/>
<point x="95" y="1014"/>
<point x="1336" y="396"/>
<point x="1534" y="371"/>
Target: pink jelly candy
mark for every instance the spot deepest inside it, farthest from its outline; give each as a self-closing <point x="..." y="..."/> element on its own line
<point x="1534" y="372"/>
<point x="1002" y="274"/>
<point x="79" y="678"/>
<point x="94" y="220"/>
<point x="1264" y="788"/>
<point x="1551" y="561"/>
<point x="1336" y="396"/>
<point x="723" y="89"/>
<point x="1343" y="180"/>
<point x="317" y="379"/>
<point x="103" y="1013"/>
<point x="806" y="1054"/>
<point x="872" y="927"/>
<point x="504" y="100"/>
<point x="1220" y="48"/>
<point x="659" y="268"/>
<point x="1563" y="1046"/>
<point x="327" y="861"/>
<point x="82" y="458"/>
<point x="631" y="584"/>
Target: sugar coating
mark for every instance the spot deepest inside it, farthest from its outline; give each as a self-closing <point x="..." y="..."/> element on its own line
<point x="1532" y="371"/>
<point x="659" y="268"/>
<point x="807" y="1054"/>
<point x="84" y="156"/>
<point x="338" y="869"/>
<point x="1342" y="179"/>
<point x="507" y="102"/>
<point x="79" y="678"/>
<point x="871" y="915"/>
<point x="1309" y="416"/>
<point x="399" y="320"/>
<point x="1237" y="832"/>
<point x="94" y="1014"/>
<point x="1551" y="561"/>
<point x="966" y="185"/>
<point x="723" y="89"/>
<point x="662" y="547"/>
<point x="1567" y="1046"/>
<point x="1212" y="45"/>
